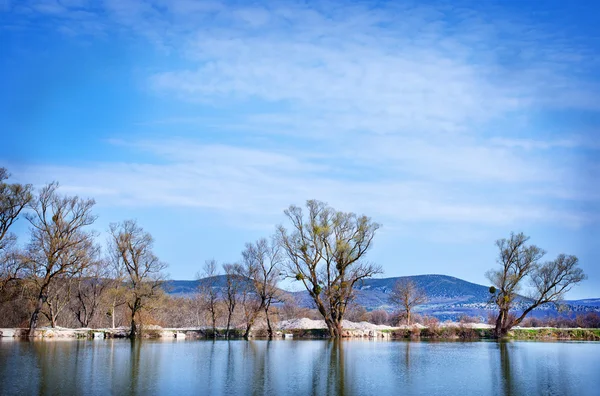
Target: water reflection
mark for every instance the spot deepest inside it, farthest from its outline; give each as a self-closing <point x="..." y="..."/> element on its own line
<point x="508" y="387"/>
<point x="297" y="367"/>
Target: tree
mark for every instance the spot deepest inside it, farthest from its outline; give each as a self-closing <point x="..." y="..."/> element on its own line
<point x="549" y="281"/>
<point x="116" y="292"/>
<point x="90" y="287"/>
<point x="60" y="247"/>
<point x="233" y="287"/>
<point x="325" y="252"/>
<point x="248" y="300"/>
<point x="13" y="199"/>
<point x="209" y="291"/>
<point x="406" y="295"/>
<point x="59" y="297"/>
<point x="132" y="247"/>
<point x="262" y="262"/>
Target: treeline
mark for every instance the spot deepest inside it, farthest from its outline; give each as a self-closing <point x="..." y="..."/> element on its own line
<point x="61" y="276"/>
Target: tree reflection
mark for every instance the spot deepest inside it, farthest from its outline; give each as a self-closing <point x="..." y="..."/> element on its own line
<point x="336" y="373"/>
<point x="508" y="386"/>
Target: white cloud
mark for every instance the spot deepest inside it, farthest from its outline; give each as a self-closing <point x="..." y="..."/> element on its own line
<point x="259" y="183"/>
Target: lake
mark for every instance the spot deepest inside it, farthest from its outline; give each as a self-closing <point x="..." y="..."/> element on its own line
<point x="283" y="367"/>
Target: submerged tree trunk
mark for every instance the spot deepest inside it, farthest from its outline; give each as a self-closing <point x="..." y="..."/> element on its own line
<point x="269" y="328"/>
<point x="502" y="324"/>
<point x="133" y="334"/>
<point x="228" y="324"/>
<point x="134" y="310"/>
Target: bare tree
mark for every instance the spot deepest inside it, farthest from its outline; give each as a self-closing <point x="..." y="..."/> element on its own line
<point x="60" y="247"/>
<point x="248" y="300"/>
<point x="209" y="291"/>
<point x="90" y="287"/>
<point x="59" y="297"/>
<point x="116" y="292"/>
<point x="550" y="281"/>
<point x="406" y="295"/>
<point x="13" y="199"/>
<point x="262" y="263"/>
<point x="233" y="286"/>
<point x="325" y="252"/>
<point x="132" y="249"/>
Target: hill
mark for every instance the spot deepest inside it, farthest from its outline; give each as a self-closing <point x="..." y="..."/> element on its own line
<point x="449" y="297"/>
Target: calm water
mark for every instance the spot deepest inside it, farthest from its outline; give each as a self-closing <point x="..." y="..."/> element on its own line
<point x="119" y="367"/>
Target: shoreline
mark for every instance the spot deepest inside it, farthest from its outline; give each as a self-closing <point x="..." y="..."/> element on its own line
<point x="447" y="331"/>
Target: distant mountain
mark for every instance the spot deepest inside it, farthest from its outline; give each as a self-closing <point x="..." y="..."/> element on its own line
<point x="588" y="302"/>
<point x="449" y="297"/>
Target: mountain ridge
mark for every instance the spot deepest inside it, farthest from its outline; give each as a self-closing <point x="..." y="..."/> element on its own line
<point x="449" y="297"/>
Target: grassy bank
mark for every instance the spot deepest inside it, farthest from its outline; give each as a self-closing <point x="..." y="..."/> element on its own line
<point x="466" y="333"/>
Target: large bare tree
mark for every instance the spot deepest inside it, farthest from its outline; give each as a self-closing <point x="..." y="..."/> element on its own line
<point x="549" y="281"/>
<point x="60" y="246"/>
<point x="407" y="295"/>
<point x="13" y="199"/>
<point x="131" y="248"/>
<point x="261" y="263"/>
<point x="325" y="251"/>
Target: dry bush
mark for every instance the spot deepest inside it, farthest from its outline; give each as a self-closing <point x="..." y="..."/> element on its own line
<point x="379" y="317"/>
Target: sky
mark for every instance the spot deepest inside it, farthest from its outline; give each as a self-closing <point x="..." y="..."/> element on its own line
<point x="450" y="123"/>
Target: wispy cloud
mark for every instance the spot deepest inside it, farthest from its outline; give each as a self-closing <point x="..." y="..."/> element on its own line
<point x="260" y="183"/>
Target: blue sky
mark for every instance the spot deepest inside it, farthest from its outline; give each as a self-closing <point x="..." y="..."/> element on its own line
<point x="451" y="123"/>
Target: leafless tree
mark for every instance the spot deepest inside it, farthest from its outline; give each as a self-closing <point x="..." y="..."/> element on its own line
<point x="406" y="295"/>
<point x="60" y="247"/>
<point x="325" y="252"/>
<point x="89" y="289"/>
<point x="13" y="199"/>
<point x="59" y="297"/>
<point x="209" y="291"/>
<point x="550" y="280"/>
<point x="262" y="263"/>
<point x="116" y="291"/>
<point x="232" y="289"/>
<point x="132" y="247"/>
<point x="249" y="301"/>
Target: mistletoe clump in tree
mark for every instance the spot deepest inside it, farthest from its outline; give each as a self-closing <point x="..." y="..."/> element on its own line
<point x="325" y="251"/>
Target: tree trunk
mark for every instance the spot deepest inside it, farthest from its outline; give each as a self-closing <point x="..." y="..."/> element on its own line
<point x="499" y="330"/>
<point x="214" y="325"/>
<point x="338" y="329"/>
<point x="133" y="334"/>
<point x="52" y="315"/>
<point x="334" y="327"/>
<point x="408" y="317"/>
<point x="228" y="324"/>
<point x="112" y="314"/>
<point x="269" y="328"/>
<point x="35" y="315"/>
